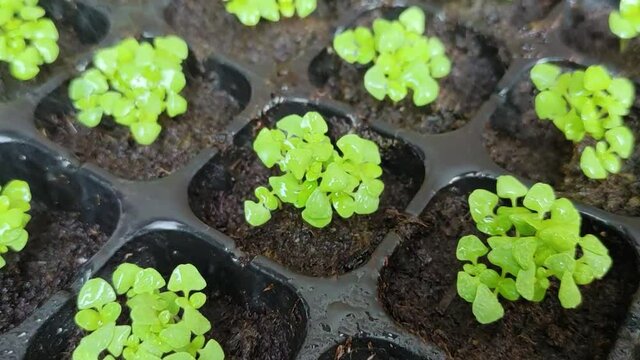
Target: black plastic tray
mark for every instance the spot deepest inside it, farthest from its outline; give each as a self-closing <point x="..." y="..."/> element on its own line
<point x="151" y="221"/>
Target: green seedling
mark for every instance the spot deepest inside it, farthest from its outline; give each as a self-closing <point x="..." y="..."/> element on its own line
<point x="402" y="57"/>
<point x="588" y="104"/>
<point x="15" y="202"/>
<point x="625" y="22"/>
<point x="133" y="82"/>
<point x="160" y="324"/>
<point x="316" y="176"/>
<point x="249" y="12"/>
<point x="533" y="238"/>
<point x="27" y="39"/>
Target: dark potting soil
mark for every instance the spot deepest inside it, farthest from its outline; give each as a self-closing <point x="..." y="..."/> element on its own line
<point x="112" y="147"/>
<point x="418" y="289"/>
<point x="478" y="64"/>
<point x="237" y="324"/>
<point x="521" y="143"/>
<point x="59" y="244"/>
<point x="202" y="22"/>
<point x="586" y="29"/>
<point x="363" y="350"/>
<point x="219" y="190"/>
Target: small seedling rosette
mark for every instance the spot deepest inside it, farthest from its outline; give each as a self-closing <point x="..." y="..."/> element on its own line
<point x="15" y="202"/>
<point x="533" y="238"/>
<point x="588" y="104"/>
<point x="134" y="83"/>
<point x="402" y="57"/>
<point x="249" y="12"/>
<point x="162" y="324"/>
<point x="27" y="38"/>
<point x="316" y="176"/>
<point x="625" y="22"/>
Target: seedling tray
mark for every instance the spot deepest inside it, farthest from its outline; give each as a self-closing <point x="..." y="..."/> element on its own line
<point x="377" y="287"/>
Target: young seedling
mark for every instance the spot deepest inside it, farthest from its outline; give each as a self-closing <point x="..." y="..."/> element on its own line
<point x="316" y="176"/>
<point x="133" y="82"/>
<point x="403" y="58"/>
<point x="249" y="12"/>
<point x="588" y="104"/>
<point x="160" y="324"/>
<point x="27" y="39"/>
<point x="15" y="202"/>
<point x="533" y="238"/>
<point x="625" y="23"/>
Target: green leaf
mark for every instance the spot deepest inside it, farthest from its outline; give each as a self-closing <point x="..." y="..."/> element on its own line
<point x="590" y="164"/>
<point x="621" y="141"/>
<point x="176" y="335"/>
<point x="470" y="248"/>
<point x="540" y="198"/>
<point x="179" y="356"/>
<point x="508" y="187"/>
<point x="490" y="278"/>
<point x="48" y="49"/>
<point x="583" y="274"/>
<point x="211" y="351"/>
<point x="622" y="27"/>
<point x="172" y="45"/>
<point x="569" y="293"/>
<point x="467" y="286"/>
<point x="599" y="264"/>
<point x="195" y="321"/>
<point x="593" y="244"/>
<point x="507" y="288"/>
<point x="359" y="150"/>
<point x="314" y="123"/>
<point x="375" y="81"/>
<point x="550" y="105"/>
<point x="525" y="283"/>
<point x="268" y="145"/>
<point x="176" y="105"/>
<point x="545" y="75"/>
<point x="147" y="281"/>
<point x="88" y="319"/>
<point x="559" y="237"/>
<point x="563" y="211"/>
<point x="124" y="277"/>
<point x="95" y="293"/>
<point x="186" y="278"/>
<point x="344" y="204"/>
<point x="523" y="251"/>
<point x="413" y="20"/>
<point x="486" y="307"/>
<point x="145" y="133"/>
<point x="560" y="263"/>
<point x="365" y="204"/>
<point x="597" y="78"/>
<point x="120" y="335"/>
<point x="304" y="8"/>
<point x="318" y="209"/>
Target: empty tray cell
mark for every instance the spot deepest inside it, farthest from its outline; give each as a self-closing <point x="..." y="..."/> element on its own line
<point x="253" y="314"/>
<point x="478" y="64"/>
<point x="367" y="349"/>
<point x="535" y="149"/>
<point x="79" y="27"/>
<point x="215" y="93"/>
<point x="418" y="289"/>
<point x="73" y="215"/>
<point x="218" y="191"/>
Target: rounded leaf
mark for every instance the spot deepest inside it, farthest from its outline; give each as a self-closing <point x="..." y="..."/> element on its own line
<point x="508" y="187"/>
<point x="470" y="248"/>
<point x="95" y="293"/>
<point x="569" y="293"/>
<point x="186" y="278"/>
<point x="545" y="75"/>
<point x="486" y="307"/>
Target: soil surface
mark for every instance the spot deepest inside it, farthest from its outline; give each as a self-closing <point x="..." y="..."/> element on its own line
<point x="59" y="244"/>
<point x="218" y="192"/>
<point x="237" y="324"/>
<point x="418" y="289"/>
<point x="111" y="146"/>
<point x="586" y="29"/>
<point x="521" y="143"/>
<point x="200" y="23"/>
<point x="478" y="64"/>
<point x="363" y="350"/>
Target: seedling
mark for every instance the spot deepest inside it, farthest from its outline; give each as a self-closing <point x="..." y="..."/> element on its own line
<point x="133" y="82"/>
<point x="533" y="238"/>
<point x="249" y="12"/>
<point x="403" y="58"/>
<point x="160" y="324"/>
<point x="588" y="104"/>
<point x="316" y="175"/>
<point x="625" y="23"/>
<point x="27" y="39"/>
<point x="15" y="201"/>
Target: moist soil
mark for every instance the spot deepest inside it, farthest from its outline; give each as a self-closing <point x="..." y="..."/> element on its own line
<point x="218" y="192"/>
<point x="237" y="325"/>
<point x="200" y="23"/>
<point x="59" y="244"/>
<point x="478" y="64"/>
<point x="587" y="30"/>
<point x="417" y="288"/>
<point x="362" y="351"/>
<point x="112" y="147"/>
<point x="521" y="143"/>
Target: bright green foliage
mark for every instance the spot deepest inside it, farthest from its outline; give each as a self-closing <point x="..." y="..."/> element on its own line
<point x="403" y="58"/>
<point x="315" y="175"/>
<point x="533" y="237"/>
<point x="27" y="39"/>
<point x="588" y="103"/>
<point x="626" y="22"/>
<point x="249" y="12"/>
<point x="134" y="82"/>
<point x="161" y="324"/>
<point x="15" y="201"/>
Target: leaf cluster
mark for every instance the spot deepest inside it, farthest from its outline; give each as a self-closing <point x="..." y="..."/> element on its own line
<point x="249" y="12"/>
<point x="27" y="39"/>
<point x="161" y="325"/>
<point x="533" y="239"/>
<point x="15" y="201"/>
<point x="625" y="23"/>
<point x="403" y="58"/>
<point x="316" y="176"/>
<point x="588" y="103"/>
<point x="133" y="82"/>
